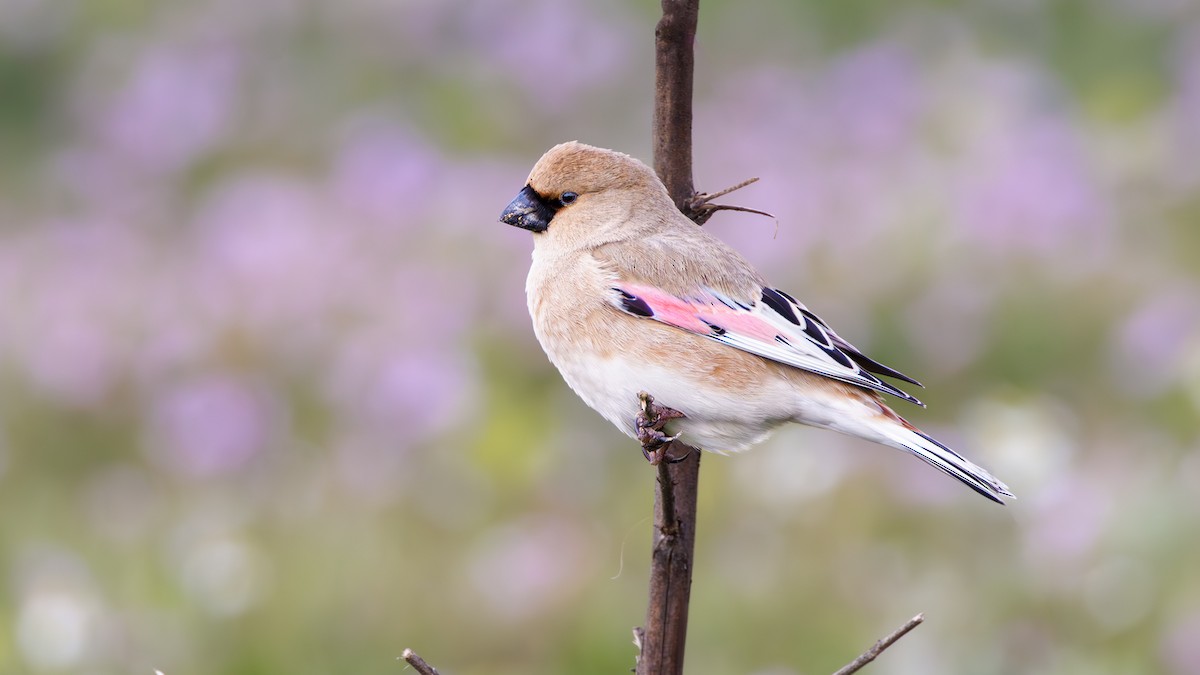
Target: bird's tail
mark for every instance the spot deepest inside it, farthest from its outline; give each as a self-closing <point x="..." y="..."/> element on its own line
<point x="898" y="433"/>
<point x="884" y="426"/>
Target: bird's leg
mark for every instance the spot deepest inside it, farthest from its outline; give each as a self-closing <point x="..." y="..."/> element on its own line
<point x="650" y="422"/>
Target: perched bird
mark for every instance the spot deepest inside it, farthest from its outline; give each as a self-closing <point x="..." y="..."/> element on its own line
<point x="628" y="295"/>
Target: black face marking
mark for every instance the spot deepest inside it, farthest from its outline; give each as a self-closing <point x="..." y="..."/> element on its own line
<point x="530" y="210"/>
<point x="776" y="302"/>
<point x="634" y="305"/>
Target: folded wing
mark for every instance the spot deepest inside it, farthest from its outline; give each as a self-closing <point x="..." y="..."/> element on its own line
<point x="774" y="326"/>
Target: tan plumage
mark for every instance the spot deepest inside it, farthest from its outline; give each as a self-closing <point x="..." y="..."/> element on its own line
<point x="629" y="295"/>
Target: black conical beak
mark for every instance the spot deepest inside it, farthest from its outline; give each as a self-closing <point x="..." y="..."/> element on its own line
<point x="528" y="210"/>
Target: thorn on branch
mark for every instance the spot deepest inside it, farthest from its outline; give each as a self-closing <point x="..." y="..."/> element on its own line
<point x="700" y="207"/>
<point x="705" y="197"/>
<point x="877" y="649"/>
<point x="418" y="664"/>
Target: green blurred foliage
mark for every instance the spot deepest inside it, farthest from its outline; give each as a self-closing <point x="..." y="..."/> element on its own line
<point x="270" y="403"/>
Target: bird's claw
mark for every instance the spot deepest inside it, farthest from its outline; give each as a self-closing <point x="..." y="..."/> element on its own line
<point x="650" y="423"/>
<point x="654" y="444"/>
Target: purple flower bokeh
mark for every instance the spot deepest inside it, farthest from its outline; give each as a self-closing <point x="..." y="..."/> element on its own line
<point x="577" y="49"/>
<point x="386" y="174"/>
<point x="68" y="286"/>
<point x="1150" y="346"/>
<point x="1031" y="189"/>
<point x="1180" y="649"/>
<point x="1185" y="113"/>
<point x="212" y="425"/>
<point x="174" y="107"/>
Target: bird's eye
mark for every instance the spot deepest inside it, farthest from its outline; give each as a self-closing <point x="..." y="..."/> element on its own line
<point x="568" y="198"/>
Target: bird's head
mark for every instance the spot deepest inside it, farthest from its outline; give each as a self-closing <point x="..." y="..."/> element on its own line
<point x="576" y="186"/>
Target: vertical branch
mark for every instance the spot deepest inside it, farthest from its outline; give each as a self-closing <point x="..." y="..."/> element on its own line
<point x="664" y="635"/>
<point x="674" y="62"/>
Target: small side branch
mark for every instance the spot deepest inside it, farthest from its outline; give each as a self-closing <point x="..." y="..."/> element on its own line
<point x="700" y="207"/>
<point x="877" y="649"/>
<point x="418" y="664"/>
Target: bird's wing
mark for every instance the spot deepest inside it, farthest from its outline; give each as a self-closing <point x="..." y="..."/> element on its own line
<point x="775" y="326"/>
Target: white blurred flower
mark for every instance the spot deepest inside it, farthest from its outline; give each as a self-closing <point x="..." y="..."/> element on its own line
<point x="1028" y="441"/>
<point x="224" y="575"/>
<point x="53" y="628"/>
<point x="57" y="615"/>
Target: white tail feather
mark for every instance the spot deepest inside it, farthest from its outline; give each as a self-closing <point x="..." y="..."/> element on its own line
<point x="916" y="442"/>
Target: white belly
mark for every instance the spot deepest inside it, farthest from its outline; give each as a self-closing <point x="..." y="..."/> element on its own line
<point x="715" y="420"/>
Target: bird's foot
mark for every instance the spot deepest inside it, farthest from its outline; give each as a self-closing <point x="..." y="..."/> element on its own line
<point x="656" y="445"/>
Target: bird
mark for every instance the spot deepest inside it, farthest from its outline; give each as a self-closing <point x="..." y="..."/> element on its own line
<point x="628" y="295"/>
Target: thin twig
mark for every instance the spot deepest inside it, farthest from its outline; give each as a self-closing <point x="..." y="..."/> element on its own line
<point x="705" y="197"/>
<point x="877" y="649"/>
<point x="700" y="207"/>
<point x="710" y="209"/>
<point x="418" y="664"/>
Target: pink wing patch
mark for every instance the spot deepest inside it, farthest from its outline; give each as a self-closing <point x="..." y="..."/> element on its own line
<point x="778" y="328"/>
<point x="703" y="315"/>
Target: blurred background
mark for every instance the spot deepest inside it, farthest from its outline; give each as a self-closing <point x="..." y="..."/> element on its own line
<point x="270" y="401"/>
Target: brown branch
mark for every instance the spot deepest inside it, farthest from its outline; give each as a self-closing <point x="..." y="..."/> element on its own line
<point x="664" y="636"/>
<point x="877" y="649"/>
<point x="672" y="129"/>
<point x="661" y="641"/>
<point x="418" y="664"/>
